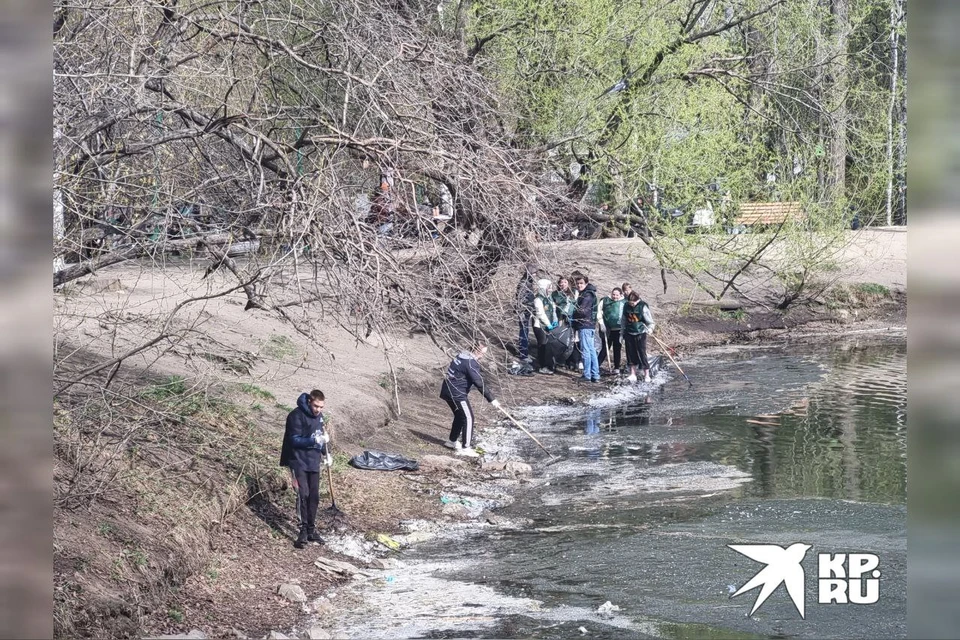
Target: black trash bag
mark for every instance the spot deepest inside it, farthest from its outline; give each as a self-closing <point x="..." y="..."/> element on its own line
<point x="560" y="344"/>
<point x="517" y="369"/>
<point x="380" y="461"/>
<point x="656" y="363"/>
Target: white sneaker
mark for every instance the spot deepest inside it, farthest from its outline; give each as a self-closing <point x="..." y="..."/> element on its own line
<point x="616" y="372"/>
<point x="467" y="453"/>
<point x="647" y="378"/>
<point x="631" y="378"/>
<point x="450" y="444"/>
<point x="545" y="371"/>
<point x="579" y="366"/>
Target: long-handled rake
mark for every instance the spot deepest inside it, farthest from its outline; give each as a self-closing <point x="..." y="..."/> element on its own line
<point x="666" y="350"/>
<point x="525" y="431"/>
<point x="334" y="511"/>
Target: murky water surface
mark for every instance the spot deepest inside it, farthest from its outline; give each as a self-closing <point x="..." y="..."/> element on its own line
<point x="770" y="445"/>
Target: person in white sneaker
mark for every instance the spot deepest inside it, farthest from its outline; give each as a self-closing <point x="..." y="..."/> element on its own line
<point x="636" y="324"/>
<point x="463" y="374"/>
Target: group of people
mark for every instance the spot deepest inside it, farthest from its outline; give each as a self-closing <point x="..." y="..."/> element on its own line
<point x="619" y="319"/>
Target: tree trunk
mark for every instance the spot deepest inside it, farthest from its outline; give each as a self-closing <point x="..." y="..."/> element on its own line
<point x="892" y="115"/>
<point x="59" y="227"/>
<point x="901" y="179"/>
<point x="837" y="87"/>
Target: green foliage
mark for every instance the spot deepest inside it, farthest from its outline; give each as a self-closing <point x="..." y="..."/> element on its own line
<point x="254" y="390"/>
<point x="172" y="387"/>
<point x="212" y="573"/>
<point x="340" y="461"/>
<point x="723" y="110"/>
<point x="872" y="289"/>
<point x="135" y="557"/>
<point x="176" y="615"/>
<point x="279" y="347"/>
<point x="860" y="294"/>
<point x="738" y="315"/>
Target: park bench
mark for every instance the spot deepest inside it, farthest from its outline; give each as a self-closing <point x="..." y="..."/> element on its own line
<point x="769" y="213"/>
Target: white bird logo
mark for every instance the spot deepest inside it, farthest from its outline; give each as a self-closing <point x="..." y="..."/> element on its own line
<point x="783" y="565"/>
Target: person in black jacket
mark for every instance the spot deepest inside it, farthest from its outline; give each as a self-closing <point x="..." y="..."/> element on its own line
<point x="525" y="296"/>
<point x="462" y="374"/>
<point x="304" y="450"/>
<point x="585" y="323"/>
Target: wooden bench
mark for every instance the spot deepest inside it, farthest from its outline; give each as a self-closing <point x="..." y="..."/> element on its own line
<point x="769" y="213"/>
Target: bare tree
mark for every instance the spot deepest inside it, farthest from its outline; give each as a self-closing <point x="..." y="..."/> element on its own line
<point x="214" y="129"/>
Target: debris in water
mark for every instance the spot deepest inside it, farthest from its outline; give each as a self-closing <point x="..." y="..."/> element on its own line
<point x="387" y="541"/>
<point x="582" y="630"/>
<point x="731" y="588"/>
<point x="607" y="609"/>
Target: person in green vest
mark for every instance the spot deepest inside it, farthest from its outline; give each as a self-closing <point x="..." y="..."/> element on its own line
<point x="636" y="323"/>
<point x="565" y="299"/>
<point x="609" y="314"/>
<point x="544" y="320"/>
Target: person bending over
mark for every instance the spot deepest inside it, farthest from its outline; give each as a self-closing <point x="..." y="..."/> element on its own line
<point x="462" y="375"/>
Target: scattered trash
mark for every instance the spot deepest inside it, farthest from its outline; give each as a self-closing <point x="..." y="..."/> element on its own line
<point x="731" y="588"/>
<point x="390" y="579"/>
<point x="448" y="499"/>
<point x="517" y="369"/>
<point x="383" y="563"/>
<point x="380" y="461"/>
<point x="388" y="542"/>
<point x="336" y="566"/>
<point x="417" y="536"/>
<point x="456" y="510"/>
<point x="351" y="545"/>
<point x="582" y="630"/>
<point x="607" y="609"/>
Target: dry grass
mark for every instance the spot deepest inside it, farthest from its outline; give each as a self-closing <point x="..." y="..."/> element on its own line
<point x="142" y="478"/>
<point x="172" y="514"/>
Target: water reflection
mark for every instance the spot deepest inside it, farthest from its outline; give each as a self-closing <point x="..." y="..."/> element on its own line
<point x="592" y="424"/>
<point x="654" y="483"/>
<point x="816" y="424"/>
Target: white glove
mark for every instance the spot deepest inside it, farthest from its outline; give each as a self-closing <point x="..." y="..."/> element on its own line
<point x="328" y="460"/>
<point x="496" y="404"/>
<point x="320" y="437"/>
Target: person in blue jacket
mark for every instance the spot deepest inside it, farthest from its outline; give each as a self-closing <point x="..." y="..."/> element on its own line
<point x="304" y="451"/>
<point x="463" y="374"/>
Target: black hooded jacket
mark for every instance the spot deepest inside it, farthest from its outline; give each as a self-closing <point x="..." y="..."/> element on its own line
<point x="462" y="374"/>
<point x="585" y="315"/>
<point x="299" y="451"/>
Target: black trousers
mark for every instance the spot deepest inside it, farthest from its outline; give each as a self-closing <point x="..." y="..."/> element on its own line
<point x="637" y="350"/>
<point x="462" y="427"/>
<point x="610" y="338"/>
<point x="575" y="356"/>
<point x="308" y="498"/>
<point x="542" y="350"/>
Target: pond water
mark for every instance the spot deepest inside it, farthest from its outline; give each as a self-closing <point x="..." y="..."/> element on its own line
<point x="770" y="445"/>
